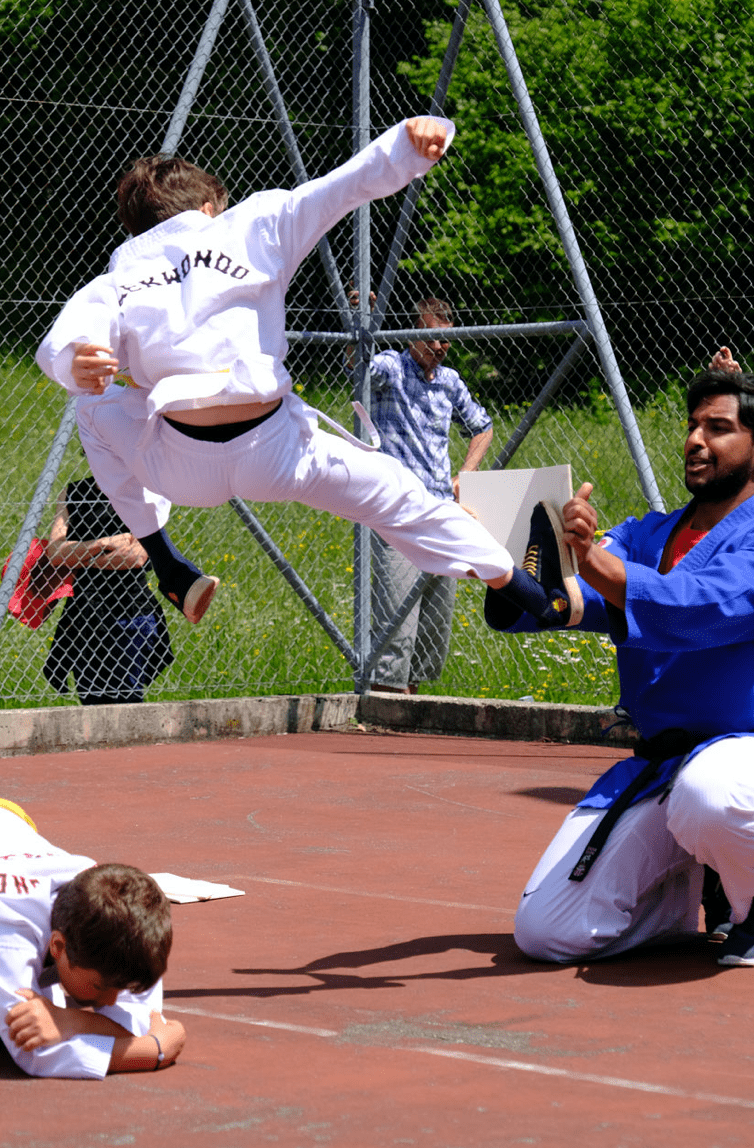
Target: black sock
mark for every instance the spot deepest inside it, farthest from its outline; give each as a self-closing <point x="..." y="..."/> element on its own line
<point x="526" y="593"/>
<point x="175" y="573"/>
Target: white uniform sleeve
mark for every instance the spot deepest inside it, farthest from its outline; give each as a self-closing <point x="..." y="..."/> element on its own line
<point x="90" y="316"/>
<point x="86" y="1056"/>
<point x="383" y="167"/>
<point x="132" y="1010"/>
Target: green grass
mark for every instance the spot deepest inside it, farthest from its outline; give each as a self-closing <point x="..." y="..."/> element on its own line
<point x="258" y="638"/>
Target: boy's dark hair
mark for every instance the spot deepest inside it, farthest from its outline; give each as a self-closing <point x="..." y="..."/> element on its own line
<point x="437" y="308"/>
<point x="161" y="186"/>
<point x="736" y="383"/>
<point x="115" y="920"/>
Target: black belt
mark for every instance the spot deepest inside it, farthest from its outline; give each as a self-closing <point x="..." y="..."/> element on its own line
<point x="668" y="743"/>
<point x="220" y="432"/>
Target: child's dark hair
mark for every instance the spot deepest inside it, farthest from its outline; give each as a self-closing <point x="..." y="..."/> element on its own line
<point x="736" y="383"/>
<point x="160" y="186"/>
<point x="115" y="920"/>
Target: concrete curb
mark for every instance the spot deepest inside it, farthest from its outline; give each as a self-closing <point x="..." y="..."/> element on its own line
<point x="493" y="718"/>
<point x="64" y="728"/>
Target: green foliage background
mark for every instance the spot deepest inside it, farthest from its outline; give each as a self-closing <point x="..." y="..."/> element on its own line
<point x="646" y="107"/>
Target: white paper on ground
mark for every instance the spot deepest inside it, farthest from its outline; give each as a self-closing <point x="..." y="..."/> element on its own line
<point x="503" y="500"/>
<point x="184" y="890"/>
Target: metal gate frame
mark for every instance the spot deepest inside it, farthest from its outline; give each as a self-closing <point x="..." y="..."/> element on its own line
<point x="363" y="328"/>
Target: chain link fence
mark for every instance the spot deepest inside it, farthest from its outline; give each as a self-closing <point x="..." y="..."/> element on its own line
<point x="646" y="108"/>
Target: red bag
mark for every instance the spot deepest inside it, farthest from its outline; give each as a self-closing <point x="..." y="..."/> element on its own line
<point x="39" y="586"/>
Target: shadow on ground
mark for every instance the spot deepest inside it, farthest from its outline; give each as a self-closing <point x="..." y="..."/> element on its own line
<point x="694" y="960"/>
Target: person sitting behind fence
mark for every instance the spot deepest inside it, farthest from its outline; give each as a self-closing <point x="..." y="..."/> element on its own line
<point x="100" y="934"/>
<point x="112" y="635"/>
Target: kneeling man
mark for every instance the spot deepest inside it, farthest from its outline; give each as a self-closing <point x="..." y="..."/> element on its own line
<point x="676" y="594"/>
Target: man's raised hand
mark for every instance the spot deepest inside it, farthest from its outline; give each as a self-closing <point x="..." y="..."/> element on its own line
<point x="580" y="520"/>
<point x="723" y="360"/>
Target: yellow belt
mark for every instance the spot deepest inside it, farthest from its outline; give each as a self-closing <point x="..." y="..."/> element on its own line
<point x="11" y="805"/>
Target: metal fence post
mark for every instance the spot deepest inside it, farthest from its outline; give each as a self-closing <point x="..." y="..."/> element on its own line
<point x="573" y="253"/>
<point x="362" y="261"/>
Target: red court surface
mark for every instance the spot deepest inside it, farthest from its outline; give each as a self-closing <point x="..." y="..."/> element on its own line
<point x="366" y="990"/>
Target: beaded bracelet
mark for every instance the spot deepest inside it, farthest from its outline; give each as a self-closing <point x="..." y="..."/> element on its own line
<point x="160" y="1053"/>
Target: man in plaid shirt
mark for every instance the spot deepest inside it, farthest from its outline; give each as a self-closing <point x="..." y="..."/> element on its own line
<point x="415" y="399"/>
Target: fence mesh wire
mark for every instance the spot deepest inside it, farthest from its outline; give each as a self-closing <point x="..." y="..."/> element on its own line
<point x="647" y="108"/>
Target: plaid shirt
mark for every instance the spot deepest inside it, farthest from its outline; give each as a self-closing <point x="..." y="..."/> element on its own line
<point x="413" y="416"/>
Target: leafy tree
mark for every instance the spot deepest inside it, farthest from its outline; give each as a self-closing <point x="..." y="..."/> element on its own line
<point x="19" y="17"/>
<point x="647" y="108"/>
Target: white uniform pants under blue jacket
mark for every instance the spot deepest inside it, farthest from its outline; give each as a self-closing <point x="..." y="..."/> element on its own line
<point x="194" y="310"/>
<point x="685" y="651"/>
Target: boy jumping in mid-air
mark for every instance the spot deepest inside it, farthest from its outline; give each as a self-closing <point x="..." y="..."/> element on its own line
<point x="100" y="934"/>
<point x="193" y="312"/>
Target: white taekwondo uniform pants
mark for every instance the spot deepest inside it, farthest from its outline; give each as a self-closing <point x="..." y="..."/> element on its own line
<point x="646" y="884"/>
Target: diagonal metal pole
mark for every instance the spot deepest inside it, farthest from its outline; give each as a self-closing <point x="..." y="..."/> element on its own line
<point x="572" y="355"/>
<point x="573" y="253"/>
<point x="279" y="559"/>
<point x="272" y="88"/>
<point x="194" y="75"/>
<point x="37" y="505"/>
